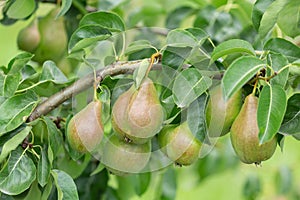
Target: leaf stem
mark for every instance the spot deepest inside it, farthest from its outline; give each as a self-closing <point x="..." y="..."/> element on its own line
<point x="79" y="7"/>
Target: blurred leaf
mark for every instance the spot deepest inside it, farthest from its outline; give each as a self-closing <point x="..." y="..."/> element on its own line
<point x="287" y="20"/>
<point x="87" y="35"/>
<point x="66" y="188"/>
<point x="18" y="173"/>
<point x="18" y="62"/>
<point x="269" y="17"/>
<point x="140" y="73"/>
<point x="142" y="183"/>
<point x="21" y="9"/>
<point x="278" y="61"/>
<point x="189" y="85"/>
<point x="65" y="6"/>
<point x="99" y="168"/>
<point x="252" y="187"/>
<point x="232" y="46"/>
<point x="175" y="17"/>
<point x="174" y="57"/>
<point x="13" y="143"/>
<point x="169" y="185"/>
<point x="181" y="38"/>
<point x="259" y="9"/>
<point x="286" y="48"/>
<point x="283" y="180"/>
<point x="43" y="169"/>
<point x="136" y="46"/>
<point x="198" y="33"/>
<point x="196" y="117"/>
<point x="291" y="120"/>
<point x="239" y="73"/>
<point x="270" y="112"/>
<point x="106" y="20"/>
<point x="15" y="110"/>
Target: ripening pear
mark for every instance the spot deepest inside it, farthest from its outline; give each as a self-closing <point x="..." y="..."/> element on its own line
<point x="122" y="158"/>
<point x="244" y="135"/>
<point x="54" y="38"/>
<point x="179" y="144"/>
<point x="220" y="114"/>
<point x="137" y="114"/>
<point x="85" y="129"/>
<point x="29" y="37"/>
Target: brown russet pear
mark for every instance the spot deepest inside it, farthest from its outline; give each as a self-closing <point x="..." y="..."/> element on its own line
<point x="220" y="114"/>
<point x="179" y="144"/>
<point x="137" y="114"/>
<point x="244" y="135"/>
<point x="122" y="158"/>
<point x="29" y="37"/>
<point x="85" y="129"/>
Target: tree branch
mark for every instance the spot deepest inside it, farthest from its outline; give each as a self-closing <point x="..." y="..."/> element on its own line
<point x="121" y="67"/>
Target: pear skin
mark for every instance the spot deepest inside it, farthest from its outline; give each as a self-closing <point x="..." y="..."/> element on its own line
<point x="244" y="135"/>
<point x="29" y="37"/>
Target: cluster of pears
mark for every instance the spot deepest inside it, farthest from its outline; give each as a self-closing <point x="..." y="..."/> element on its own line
<point x="45" y="37"/>
<point x="240" y="119"/>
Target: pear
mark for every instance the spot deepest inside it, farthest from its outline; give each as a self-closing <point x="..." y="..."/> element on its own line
<point x="54" y="38"/>
<point x="29" y="37"/>
<point x="85" y="129"/>
<point x="122" y="158"/>
<point x="220" y="114"/>
<point x="137" y="114"/>
<point x="244" y="135"/>
<point x="179" y="144"/>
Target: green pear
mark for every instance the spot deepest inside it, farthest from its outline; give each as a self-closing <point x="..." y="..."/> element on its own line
<point x="54" y="38"/>
<point x="122" y="158"/>
<point x="29" y="37"/>
<point x="179" y="144"/>
<point x="137" y="114"/>
<point x="85" y="129"/>
<point x="244" y="135"/>
<point x="220" y="114"/>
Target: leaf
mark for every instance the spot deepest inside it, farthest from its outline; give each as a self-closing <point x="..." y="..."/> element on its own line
<point x="98" y="169"/>
<point x="178" y="15"/>
<point x="142" y="183"/>
<point x="232" y="46"/>
<point x="140" y="73"/>
<point x="286" y="48"/>
<point x="259" y="9"/>
<point x="9" y="84"/>
<point x="174" y="57"/>
<point x="15" y="110"/>
<point x="52" y="73"/>
<point x="87" y="35"/>
<point x="21" y="9"/>
<point x="198" y="33"/>
<point x="196" y="118"/>
<point x="106" y="20"/>
<point x="34" y="192"/>
<point x="18" y="62"/>
<point x="270" y="112"/>
<point x="18" y="174"/>
<point x="169" y="185"/>
<point x="283" y="180"/>
<point x="189" y="85"/>
<point x="43" y="169"/>
<point x="278" y="61"/>
<point x="252" y="187"/>
<point x="239" y="73"/>
<point x="137" y="46"/>
<point x="65" y="6"/>
<point x="47" y="190"/>
<point x="291" y="120"/>
<point x="66" y="188"/>
<point x="181" y="38"/>
<point x="269" y="17"/>
<point x="13" y="143"/>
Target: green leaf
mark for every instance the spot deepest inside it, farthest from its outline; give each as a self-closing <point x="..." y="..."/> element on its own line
<point x="13" y="143"/>
<point x="137" y="46"/>
<point x="106" y="20"/>
<point x="181" y="38"/>
<point x="188" y="86"/>
<point x="142" y="183"/>
<point x="66" y="188"/>
<point x="98" y="169"/>
<point x="18" y="62"/>
<point x="239" y="73"/>
<point x="43" y="169"/>
<point x="286" y="48"/>
<point x="169" y="185"/>
<point x="15" y="110"/>
<point x="140" y="73"/>
<point x="278" y="61"/>
<point x="18" y="174"/>
<point x="65" y="6"/>
<point x="21" y="9"/>
<point x="47" y="190"/>
<point x="270" y="16"/>
<point x="198" y="33"/>
<point x="196" y="118"/>
<point x="232" y="46"/>
<point x="252" y="187"/>
<point x="87" y="35"/>
<point x="270" y="112"/>
<point x="9" y="84"/>
<point x="52" y="73"/>
<point x="175" y="18"/>
<point x="34" y="192"/>
<point x="283" y="180"/>
<point x="259" y="9"/>
<point x="291" y="120"/>
<point x="174" y="57"/>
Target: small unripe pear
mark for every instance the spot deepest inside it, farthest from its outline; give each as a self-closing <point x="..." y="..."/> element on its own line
<point x="85" y="129"/>
<point x="244" y="135"/>
<point x="137" y="114"/>
<point x="179" y="144"/>
<point x="123" y="158"/>
<point x="220" y="114"/>
<point x="29" y="37"/>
